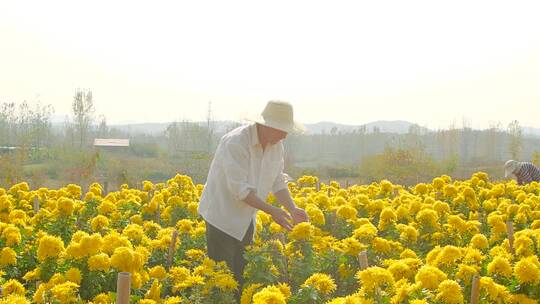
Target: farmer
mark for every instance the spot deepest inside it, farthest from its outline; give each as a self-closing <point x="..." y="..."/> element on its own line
<point x="247" y="166"/>
<point x="525" y="172"/>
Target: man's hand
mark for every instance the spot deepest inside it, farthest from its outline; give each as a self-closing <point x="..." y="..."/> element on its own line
<point x="281" y="217"/>
<point x="299" y="215"/>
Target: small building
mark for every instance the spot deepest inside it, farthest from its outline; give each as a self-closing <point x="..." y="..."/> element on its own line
<point x="111" y="142"/>
<point x="7" y="149"/>
<point x="107" y="145"/>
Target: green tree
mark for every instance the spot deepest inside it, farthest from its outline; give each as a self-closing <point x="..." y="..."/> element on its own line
<point x="11" y="167"/>
<point x="25" y="124"/>
<point x="515" y="144"/>
<point x="103" y="129"/>
<point x="83" y="114"/>
<point x="404" y="166"/>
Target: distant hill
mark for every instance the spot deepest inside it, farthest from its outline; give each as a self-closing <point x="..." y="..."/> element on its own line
<point x="159" y="128"/>
<point x="396" y="126"/>
<point x="142" y="128"/>
<point x="384" y="126"/>
<point x="531" y="131"/>
<point x="327" y="126"/>
<point x="399" y="127"/>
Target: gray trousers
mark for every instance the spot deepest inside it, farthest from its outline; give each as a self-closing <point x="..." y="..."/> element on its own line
<point x="223" y="247"/>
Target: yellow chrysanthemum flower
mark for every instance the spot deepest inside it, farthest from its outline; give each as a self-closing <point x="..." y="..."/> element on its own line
<point x="430" y="277"/>
<point x="387" y="217"/>
<point x="269" y="295"/>
<point x="375" y="277"/>
<point x="102" y="298"/>
<point x="65" y="206"/>
<point x="99" y="262"/>
<point x="14" y="299"/>
<point x="106" y="207"/>
<point x="65" y="292"/>
<point x="8" y="256"/>
<point x="302" y="232"/>
<point x="527" y="270"/>
<point x="12" y="235"/>
<point x="479" y="241"/>
<point x="351" y="246"/>
<point x="74" y="275"/>
<point x="247" y="293"/>
<point x="466" y="273"/>
<point x="500" y="266"/>
<point x="99" y="222"/>
<point x="427" y="218"/>
<point x="365" y="232"/>
<point x="322" y="282"/>
<point x="13" y="287"/>
<point x="421" y="189"/>
<point x="448" y="256"/>
<point x="316" y="216"/>
<point x="154" y="293"/>
<point x="450" y="292"/>
<point x="172" y="300"/>
<point x="32" y="275"/>
<point x="346" y="212"/>
<point x="158" y="272"/>
<point x="400" y="270"/>
<point x="49" y="246"/>
<point x="438" y="183"/>
<point x="408" y="234"/>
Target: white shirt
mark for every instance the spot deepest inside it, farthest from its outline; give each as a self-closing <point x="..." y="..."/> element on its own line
<point x="239" y="166"/>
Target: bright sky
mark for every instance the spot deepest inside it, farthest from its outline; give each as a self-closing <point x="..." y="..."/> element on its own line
<point x="430" y="62"/>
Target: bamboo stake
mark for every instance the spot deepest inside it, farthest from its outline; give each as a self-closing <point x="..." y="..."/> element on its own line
<point x="150" y="196"/>
<point x="510" y="230"/>
<point x="123" y="288"/>
<point x="362" y="258"/>
<point x="83" y="192"/>
<point x="172" y="249"/>
<point x="36" y="204"/>
<point x="475" y="290"/>
<point x="364" y="264"/>
<point x="333" y="218"/>
<point x="158" y="214"/>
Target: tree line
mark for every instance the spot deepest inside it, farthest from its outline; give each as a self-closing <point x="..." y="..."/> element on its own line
<point x="66" y="151"/>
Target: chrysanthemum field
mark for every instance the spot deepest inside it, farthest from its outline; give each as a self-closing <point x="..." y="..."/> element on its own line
<point x="425" y="244"/>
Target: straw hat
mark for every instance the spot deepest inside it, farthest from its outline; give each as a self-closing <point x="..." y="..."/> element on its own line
<point x="278" y="115"/>
<point x="511" y="167"/>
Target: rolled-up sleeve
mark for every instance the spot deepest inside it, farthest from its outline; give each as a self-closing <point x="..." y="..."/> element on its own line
<point x="236" y="168"/>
